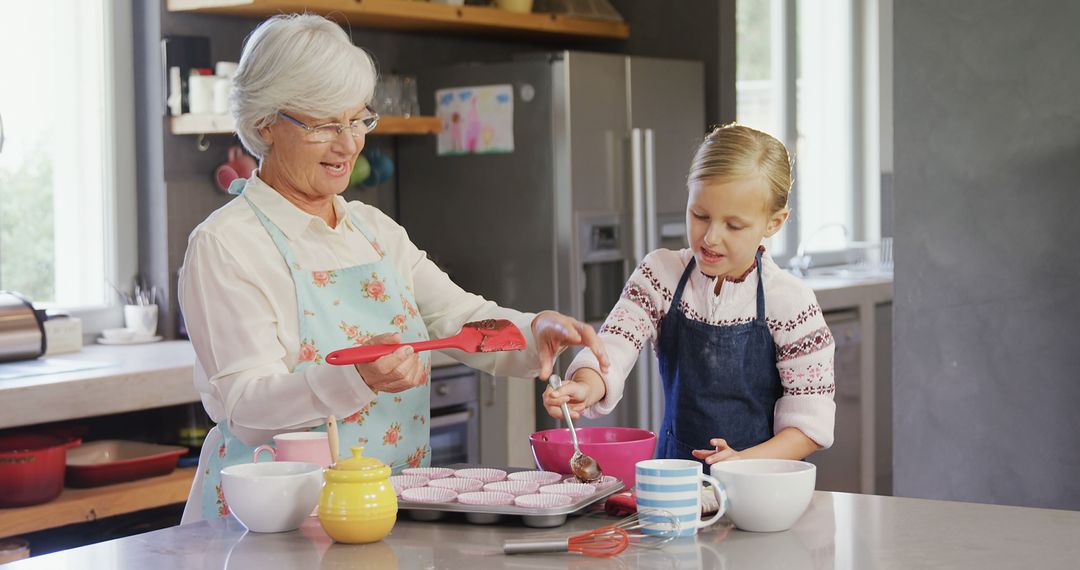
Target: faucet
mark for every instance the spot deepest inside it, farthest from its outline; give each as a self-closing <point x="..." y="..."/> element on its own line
<point x="800" y="262"/>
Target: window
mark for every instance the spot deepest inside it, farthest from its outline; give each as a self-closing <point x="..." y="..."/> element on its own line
<point x="67" y="198"/>
<point x="800" y="76"/>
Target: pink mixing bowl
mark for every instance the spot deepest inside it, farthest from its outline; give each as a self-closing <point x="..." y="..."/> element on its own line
<point x="616" y="449"/>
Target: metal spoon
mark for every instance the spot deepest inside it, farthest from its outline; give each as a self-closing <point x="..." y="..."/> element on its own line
<point x="585" y="468"/>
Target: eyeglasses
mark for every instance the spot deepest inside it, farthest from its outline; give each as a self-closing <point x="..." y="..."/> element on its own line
<point x="327" y="132"/>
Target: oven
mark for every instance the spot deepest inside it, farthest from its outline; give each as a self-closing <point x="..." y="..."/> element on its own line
<point x="455" y="415"/>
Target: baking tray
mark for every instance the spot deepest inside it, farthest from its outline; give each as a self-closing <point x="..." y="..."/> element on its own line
<point x="109" y="461"/>
<point x="490" y="514"/>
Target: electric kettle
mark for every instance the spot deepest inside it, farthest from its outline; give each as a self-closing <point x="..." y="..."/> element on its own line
<point x="22" y="328"/>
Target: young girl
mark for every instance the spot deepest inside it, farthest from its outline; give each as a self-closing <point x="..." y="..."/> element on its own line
<point x="745" y="355"/>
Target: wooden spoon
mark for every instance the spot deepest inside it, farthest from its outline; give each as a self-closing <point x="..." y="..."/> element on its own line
<point x="332" y="438"/>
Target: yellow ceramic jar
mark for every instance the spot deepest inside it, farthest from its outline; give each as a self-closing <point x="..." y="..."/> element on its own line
<point x="358" y="504"/>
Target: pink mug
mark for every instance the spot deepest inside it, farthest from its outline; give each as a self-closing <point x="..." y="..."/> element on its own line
<point x="238" y="165"/>
<point x="304" y="446"/>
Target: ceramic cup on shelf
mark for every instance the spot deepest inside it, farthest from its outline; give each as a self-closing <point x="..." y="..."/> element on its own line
<point x="766" y="495"/>
<point x="142" y="319"/>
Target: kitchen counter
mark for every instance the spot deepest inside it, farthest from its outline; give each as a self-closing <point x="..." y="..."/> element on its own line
<point x="839" y="530"/>
<point x="121" y="378"/>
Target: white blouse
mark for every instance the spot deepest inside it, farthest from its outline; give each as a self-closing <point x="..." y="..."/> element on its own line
<point x="239" y="302"/>
<point x="804" y="344"/>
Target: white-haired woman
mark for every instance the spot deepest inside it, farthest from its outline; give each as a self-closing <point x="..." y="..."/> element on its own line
<point x="290" y="271"/>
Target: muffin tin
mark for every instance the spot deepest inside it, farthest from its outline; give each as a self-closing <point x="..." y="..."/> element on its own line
<point x="540" y="511"/>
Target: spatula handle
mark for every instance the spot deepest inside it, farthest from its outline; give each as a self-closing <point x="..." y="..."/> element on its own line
<point x="373" y="352"/>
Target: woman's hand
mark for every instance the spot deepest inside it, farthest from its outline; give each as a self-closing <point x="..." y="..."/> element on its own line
<point x="556" y="331"/>
<point x="395" y="372"/>
<point x="583" y="390"/>
<point x="722" y="452"/>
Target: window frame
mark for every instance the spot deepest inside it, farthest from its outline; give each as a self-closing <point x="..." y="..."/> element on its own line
<point x="865" y="223"/>
<point x="120" y="240"/>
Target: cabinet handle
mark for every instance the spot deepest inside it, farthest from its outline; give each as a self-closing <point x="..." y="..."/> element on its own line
<point x="1" y="133"/>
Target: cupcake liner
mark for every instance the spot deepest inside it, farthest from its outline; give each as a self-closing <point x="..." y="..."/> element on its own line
<point x="484" y="474"/>
<point x="402" y="482"/>
<point x="515" y="488"/>
<point x="458" y="484"/>
<point x="428" y="495"/>
<point x="543" y="501"/>
<point x="603" y="482"/>
<point x="485" y="498"/>
<point x="429" y="472"/>
<point x="541" y="477"/>
<point x="571" y="489"/>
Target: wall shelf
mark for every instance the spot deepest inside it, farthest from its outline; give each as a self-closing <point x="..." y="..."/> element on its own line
<point x="416" y="16"/>
<point x="191" y="124"/>
<point x="84" y="505"/>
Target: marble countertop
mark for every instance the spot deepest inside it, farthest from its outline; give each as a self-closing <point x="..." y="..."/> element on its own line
<point x="839" y="530"/>
<point x="103" y="380"/>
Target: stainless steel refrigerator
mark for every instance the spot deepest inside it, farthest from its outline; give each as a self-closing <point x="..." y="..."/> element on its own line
<point x="597" y="179"/>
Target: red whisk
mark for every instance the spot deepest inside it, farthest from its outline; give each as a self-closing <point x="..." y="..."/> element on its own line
<point x="602" y="542"/>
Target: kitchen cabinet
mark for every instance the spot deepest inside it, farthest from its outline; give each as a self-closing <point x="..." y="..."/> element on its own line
<point x="131" y="378"/>
<point x="859" y="314"/>
<point x="83" y="505"/>
<point x="200" y="124"/>
<point x="417" y="17"/>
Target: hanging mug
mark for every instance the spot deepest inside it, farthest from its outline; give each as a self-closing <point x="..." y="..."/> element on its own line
<point x="238" y="165"/>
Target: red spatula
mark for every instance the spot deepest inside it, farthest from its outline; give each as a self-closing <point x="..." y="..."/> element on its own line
<point x="491" y="335"/>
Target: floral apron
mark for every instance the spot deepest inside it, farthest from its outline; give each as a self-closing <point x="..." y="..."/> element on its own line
<point x="339" y="308"/>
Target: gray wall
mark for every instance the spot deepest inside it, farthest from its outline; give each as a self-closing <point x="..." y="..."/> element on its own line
<point x="987" y="164"/>
<point x="175" y="186"/>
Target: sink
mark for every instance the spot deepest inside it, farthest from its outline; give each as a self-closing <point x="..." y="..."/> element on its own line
<point x="851" y="272"/>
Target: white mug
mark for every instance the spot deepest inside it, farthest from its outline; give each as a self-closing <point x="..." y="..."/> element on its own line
<point x="142" y="319"/>
<point x="201" y="93"/>
<point x="766" y="495"/>
<point x="674" y="485"/>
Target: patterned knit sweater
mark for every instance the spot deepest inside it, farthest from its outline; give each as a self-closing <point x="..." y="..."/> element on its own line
<point x="804" y="345"/>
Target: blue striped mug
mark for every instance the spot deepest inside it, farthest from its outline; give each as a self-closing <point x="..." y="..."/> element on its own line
<point x="674" y="485"/>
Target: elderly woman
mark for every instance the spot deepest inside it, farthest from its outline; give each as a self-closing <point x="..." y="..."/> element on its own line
<point x="289" y="271"/>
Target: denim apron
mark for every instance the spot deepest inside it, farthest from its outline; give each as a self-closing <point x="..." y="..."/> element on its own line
<point x="719" y="381"/>
<point x="339" y="308"/>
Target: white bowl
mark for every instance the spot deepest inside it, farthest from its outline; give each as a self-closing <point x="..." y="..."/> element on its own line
<point x="118" y="335"/>
<point x="272" y="496"/>
<point x="766" y="495"/>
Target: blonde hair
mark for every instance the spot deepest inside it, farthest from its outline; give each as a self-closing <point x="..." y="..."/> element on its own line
<point x="735" y="151"/>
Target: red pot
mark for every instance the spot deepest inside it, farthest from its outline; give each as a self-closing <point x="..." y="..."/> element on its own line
<point x="32" y="468"/>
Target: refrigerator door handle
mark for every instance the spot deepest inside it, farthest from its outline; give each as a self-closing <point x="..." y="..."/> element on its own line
<point x="637" y="197"/>
<point x="651" y="241"/>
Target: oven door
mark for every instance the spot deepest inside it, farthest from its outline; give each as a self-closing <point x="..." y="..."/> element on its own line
<point x="455" y="415"/>
<point x="455" y="436"/>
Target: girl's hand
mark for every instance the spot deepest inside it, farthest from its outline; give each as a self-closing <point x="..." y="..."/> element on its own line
<point x="722" y="452"/>
<point x="556" y="331"/>
<point x="395" y="372"/>
<point x="580" y="393"/>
